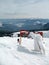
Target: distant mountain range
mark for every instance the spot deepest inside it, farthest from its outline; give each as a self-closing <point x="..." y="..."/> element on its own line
<point x="11" y="25"/>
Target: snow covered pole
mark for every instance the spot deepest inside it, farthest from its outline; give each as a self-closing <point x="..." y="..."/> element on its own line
<point x="20" y="40"/>
<point x="22" y="32"/>
<point x="38" y="42"/>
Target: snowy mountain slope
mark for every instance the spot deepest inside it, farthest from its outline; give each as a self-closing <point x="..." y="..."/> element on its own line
<point x="13" y="54"/>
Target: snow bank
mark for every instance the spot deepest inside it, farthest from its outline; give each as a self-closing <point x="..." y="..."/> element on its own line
<point x="46" y="34"/>
<point x="15" y="34"/>
<point x="13" y="54"/>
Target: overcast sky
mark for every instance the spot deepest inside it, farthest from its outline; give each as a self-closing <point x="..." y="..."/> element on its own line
<point x="24" y="8"/>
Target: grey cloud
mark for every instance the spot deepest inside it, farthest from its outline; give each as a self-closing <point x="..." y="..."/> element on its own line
<point x="16" y="13"/>
<point x="28" y="1"/>
<point x="21" y="7"/>
<point x="20" y="2"/>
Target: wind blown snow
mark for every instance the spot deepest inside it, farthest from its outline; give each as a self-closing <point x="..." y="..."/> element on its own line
<point x="13" y="54"/>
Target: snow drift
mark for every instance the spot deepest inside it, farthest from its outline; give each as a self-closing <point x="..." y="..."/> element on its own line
<point x="13" y="54"/>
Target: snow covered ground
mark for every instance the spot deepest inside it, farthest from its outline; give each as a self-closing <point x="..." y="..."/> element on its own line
<point x="11" y="53"/>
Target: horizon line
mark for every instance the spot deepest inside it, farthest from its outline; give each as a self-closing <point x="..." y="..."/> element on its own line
<point x="24" y="18"/>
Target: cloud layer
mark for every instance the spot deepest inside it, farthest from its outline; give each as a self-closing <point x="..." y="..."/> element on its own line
<point x="24" y="8"/>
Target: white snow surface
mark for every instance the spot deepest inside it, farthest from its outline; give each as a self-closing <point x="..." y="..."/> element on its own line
<point x="11" y="53"/>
